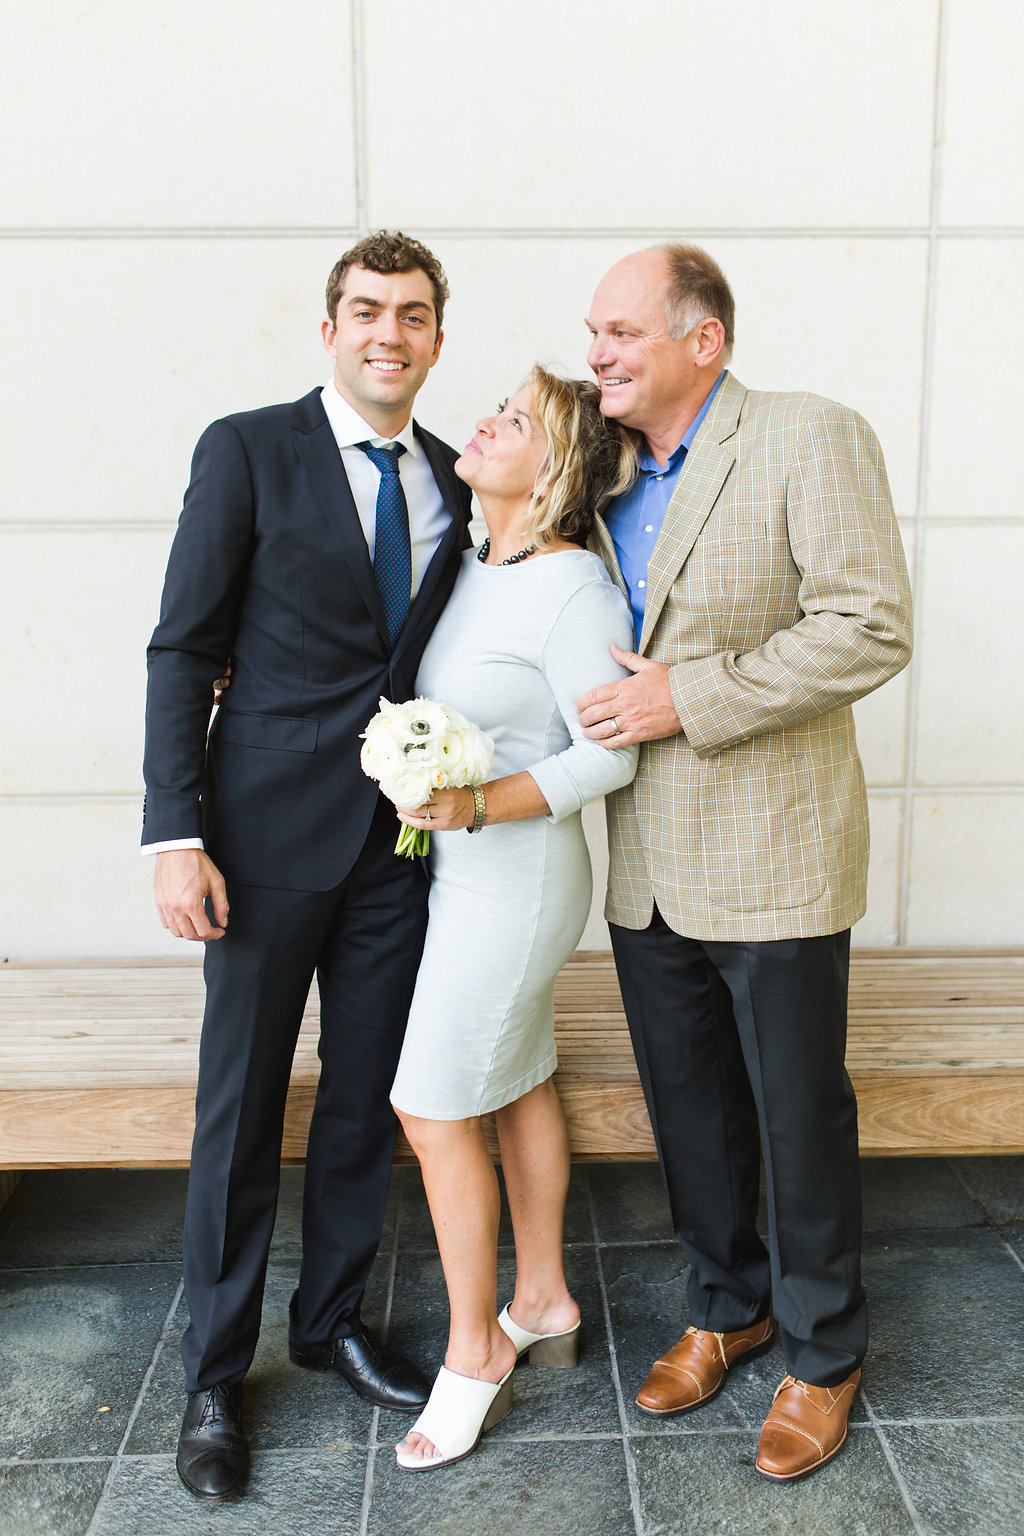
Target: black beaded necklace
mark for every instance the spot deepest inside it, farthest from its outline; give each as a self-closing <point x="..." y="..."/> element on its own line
<point x="485" y="549"/>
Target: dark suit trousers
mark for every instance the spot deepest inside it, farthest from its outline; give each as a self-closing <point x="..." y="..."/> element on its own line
<point x="740" y="1048"/>
<point x="363" y="939"/>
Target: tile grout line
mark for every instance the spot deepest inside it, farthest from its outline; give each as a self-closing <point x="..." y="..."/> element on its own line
<point x="627" y="1449"/>
<point x="371" y="1444"/>
<point x="990" y="1221"/>
<point x="835" y="232"/>
<point x="975" y="1200"/>
<point x="562" y="1437"/>
<point x="887" y="1452"/>
<point x="147" y="1378"/>
<point x="914" y="675"/>
<point x="72" y="525"/>
<point x="882" y="791"/>
<point x="1014" y="1255"/>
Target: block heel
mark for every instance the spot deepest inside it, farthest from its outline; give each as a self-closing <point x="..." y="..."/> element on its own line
<point x="502" y="1404"/>
<point x="558" y="1349"/>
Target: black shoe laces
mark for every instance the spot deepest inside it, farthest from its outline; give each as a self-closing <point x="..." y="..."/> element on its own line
<point x="214" y="1408"/>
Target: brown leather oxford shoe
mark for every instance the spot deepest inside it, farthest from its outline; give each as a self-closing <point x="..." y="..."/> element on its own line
<point x="805" y="1428"/>
<point x="694" y="1369"/>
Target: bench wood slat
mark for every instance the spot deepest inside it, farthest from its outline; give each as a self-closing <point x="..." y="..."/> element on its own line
<point x="98" y="1059"/>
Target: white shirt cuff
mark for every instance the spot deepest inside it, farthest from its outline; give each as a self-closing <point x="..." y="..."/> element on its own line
<point x="179" y="842"/>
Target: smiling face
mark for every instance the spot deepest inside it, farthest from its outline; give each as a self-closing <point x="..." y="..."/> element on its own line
<point x="503" y="457"/>
<point x="646" y="376"/>
<point x="384" y="343"/>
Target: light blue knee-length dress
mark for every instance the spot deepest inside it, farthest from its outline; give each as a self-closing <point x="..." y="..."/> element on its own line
<point x="513" y="651"/>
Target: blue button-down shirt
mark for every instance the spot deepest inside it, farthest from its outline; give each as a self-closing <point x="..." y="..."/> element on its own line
<point x="634" y="519"/>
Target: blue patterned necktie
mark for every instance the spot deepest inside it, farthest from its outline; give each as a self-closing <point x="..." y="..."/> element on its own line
<point x="392" y="554"/>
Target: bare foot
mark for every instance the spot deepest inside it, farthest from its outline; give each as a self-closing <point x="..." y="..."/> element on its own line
<point x="545" y="1317"/>
<point x="500" y="1360"/>
<point x="416" y="1444"/>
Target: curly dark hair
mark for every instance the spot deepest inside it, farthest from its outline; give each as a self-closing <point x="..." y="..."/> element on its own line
<point x="388" y="251"/>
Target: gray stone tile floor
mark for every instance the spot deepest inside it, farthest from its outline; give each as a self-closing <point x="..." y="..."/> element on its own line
<point x="90" y="1395"/>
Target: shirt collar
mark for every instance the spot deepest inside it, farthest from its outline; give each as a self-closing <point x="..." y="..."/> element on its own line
<point x="349" y="428"/>
<point x="649" y="464"/>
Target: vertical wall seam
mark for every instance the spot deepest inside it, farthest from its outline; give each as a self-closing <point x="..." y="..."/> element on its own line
<point x="913" y="689"/>
<point x="359" y="113"/>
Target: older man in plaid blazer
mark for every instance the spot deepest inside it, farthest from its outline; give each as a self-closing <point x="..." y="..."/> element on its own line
<point x="762" y="559"/>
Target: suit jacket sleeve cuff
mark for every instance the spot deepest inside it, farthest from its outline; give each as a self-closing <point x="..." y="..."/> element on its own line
<point x="705" y="698"/>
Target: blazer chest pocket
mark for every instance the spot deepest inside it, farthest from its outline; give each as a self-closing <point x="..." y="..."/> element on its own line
<point x="737" y="531"/>
<point x="760" y="835"/>
<point x="282" y="733"/>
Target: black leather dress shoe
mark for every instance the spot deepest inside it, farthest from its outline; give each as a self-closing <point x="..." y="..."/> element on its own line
<point x="213" y="1458"/>
<point x="377" y="1374"/>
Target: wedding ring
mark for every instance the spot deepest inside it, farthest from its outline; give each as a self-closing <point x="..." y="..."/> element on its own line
<point x="427" y="818"/>
<point x="617" y="728"/>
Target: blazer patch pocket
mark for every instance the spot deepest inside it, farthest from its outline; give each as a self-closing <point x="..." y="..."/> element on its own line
<point x="759" y="833"/>
<point x="282" y="733"/>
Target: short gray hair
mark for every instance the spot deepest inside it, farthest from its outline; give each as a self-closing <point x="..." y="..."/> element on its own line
<point x="697" y="290"/>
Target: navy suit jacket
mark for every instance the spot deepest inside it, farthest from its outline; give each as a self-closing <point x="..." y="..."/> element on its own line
<point x="269" y="566"/>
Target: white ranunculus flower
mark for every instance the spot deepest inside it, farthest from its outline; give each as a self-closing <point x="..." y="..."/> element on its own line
<point x="479" y="754"/>
<point x="379" y="754"/>
<point x="453" y="758"/>
<point x="408" y="788"/>
<point x="456" y="722"/>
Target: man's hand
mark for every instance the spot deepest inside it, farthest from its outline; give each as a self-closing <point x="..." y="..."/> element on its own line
<point x="183" y="880"/>
<point x="222" y="684"/>
<point x="639" y="708"/>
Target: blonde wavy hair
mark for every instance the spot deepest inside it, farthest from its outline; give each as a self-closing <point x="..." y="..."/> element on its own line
<point x="588" y="460"/>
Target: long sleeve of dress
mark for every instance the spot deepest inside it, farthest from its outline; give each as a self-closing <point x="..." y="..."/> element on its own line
<point x="575" y="658"/>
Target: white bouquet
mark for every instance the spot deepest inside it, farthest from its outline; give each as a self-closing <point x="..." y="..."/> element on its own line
<point x="414" y="748"/>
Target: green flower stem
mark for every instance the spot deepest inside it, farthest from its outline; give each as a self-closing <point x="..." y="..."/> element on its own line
<point x="413" y="842"/>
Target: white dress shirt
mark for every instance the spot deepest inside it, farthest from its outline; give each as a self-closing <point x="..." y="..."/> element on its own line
<point x="428" y="516"/>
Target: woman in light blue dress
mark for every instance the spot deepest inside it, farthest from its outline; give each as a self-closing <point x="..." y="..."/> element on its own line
<point x="525" y="633"/>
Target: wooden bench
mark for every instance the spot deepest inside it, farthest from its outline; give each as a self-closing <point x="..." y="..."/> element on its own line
<point x="98" y="1060"/>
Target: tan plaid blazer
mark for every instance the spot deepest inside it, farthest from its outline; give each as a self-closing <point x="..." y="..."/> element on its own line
<point x="777" y="593"/>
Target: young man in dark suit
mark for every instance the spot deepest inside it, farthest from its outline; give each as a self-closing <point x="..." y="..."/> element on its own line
<point x="316" y="548"/>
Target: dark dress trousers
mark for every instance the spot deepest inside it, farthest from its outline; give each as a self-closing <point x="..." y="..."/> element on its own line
<point x="270" y="567"/>
<point x="740" y="1049"/>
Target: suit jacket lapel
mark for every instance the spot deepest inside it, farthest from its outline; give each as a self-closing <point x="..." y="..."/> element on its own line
<point x="700" y="481"/>
<point x="318" y="449"/>
<point x="452" y="539"/>
<point x="603" y="546"/>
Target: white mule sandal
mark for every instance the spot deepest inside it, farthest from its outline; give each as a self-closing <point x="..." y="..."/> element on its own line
<point x="542" y="1348"/>
<point x="458" y="1411"/>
